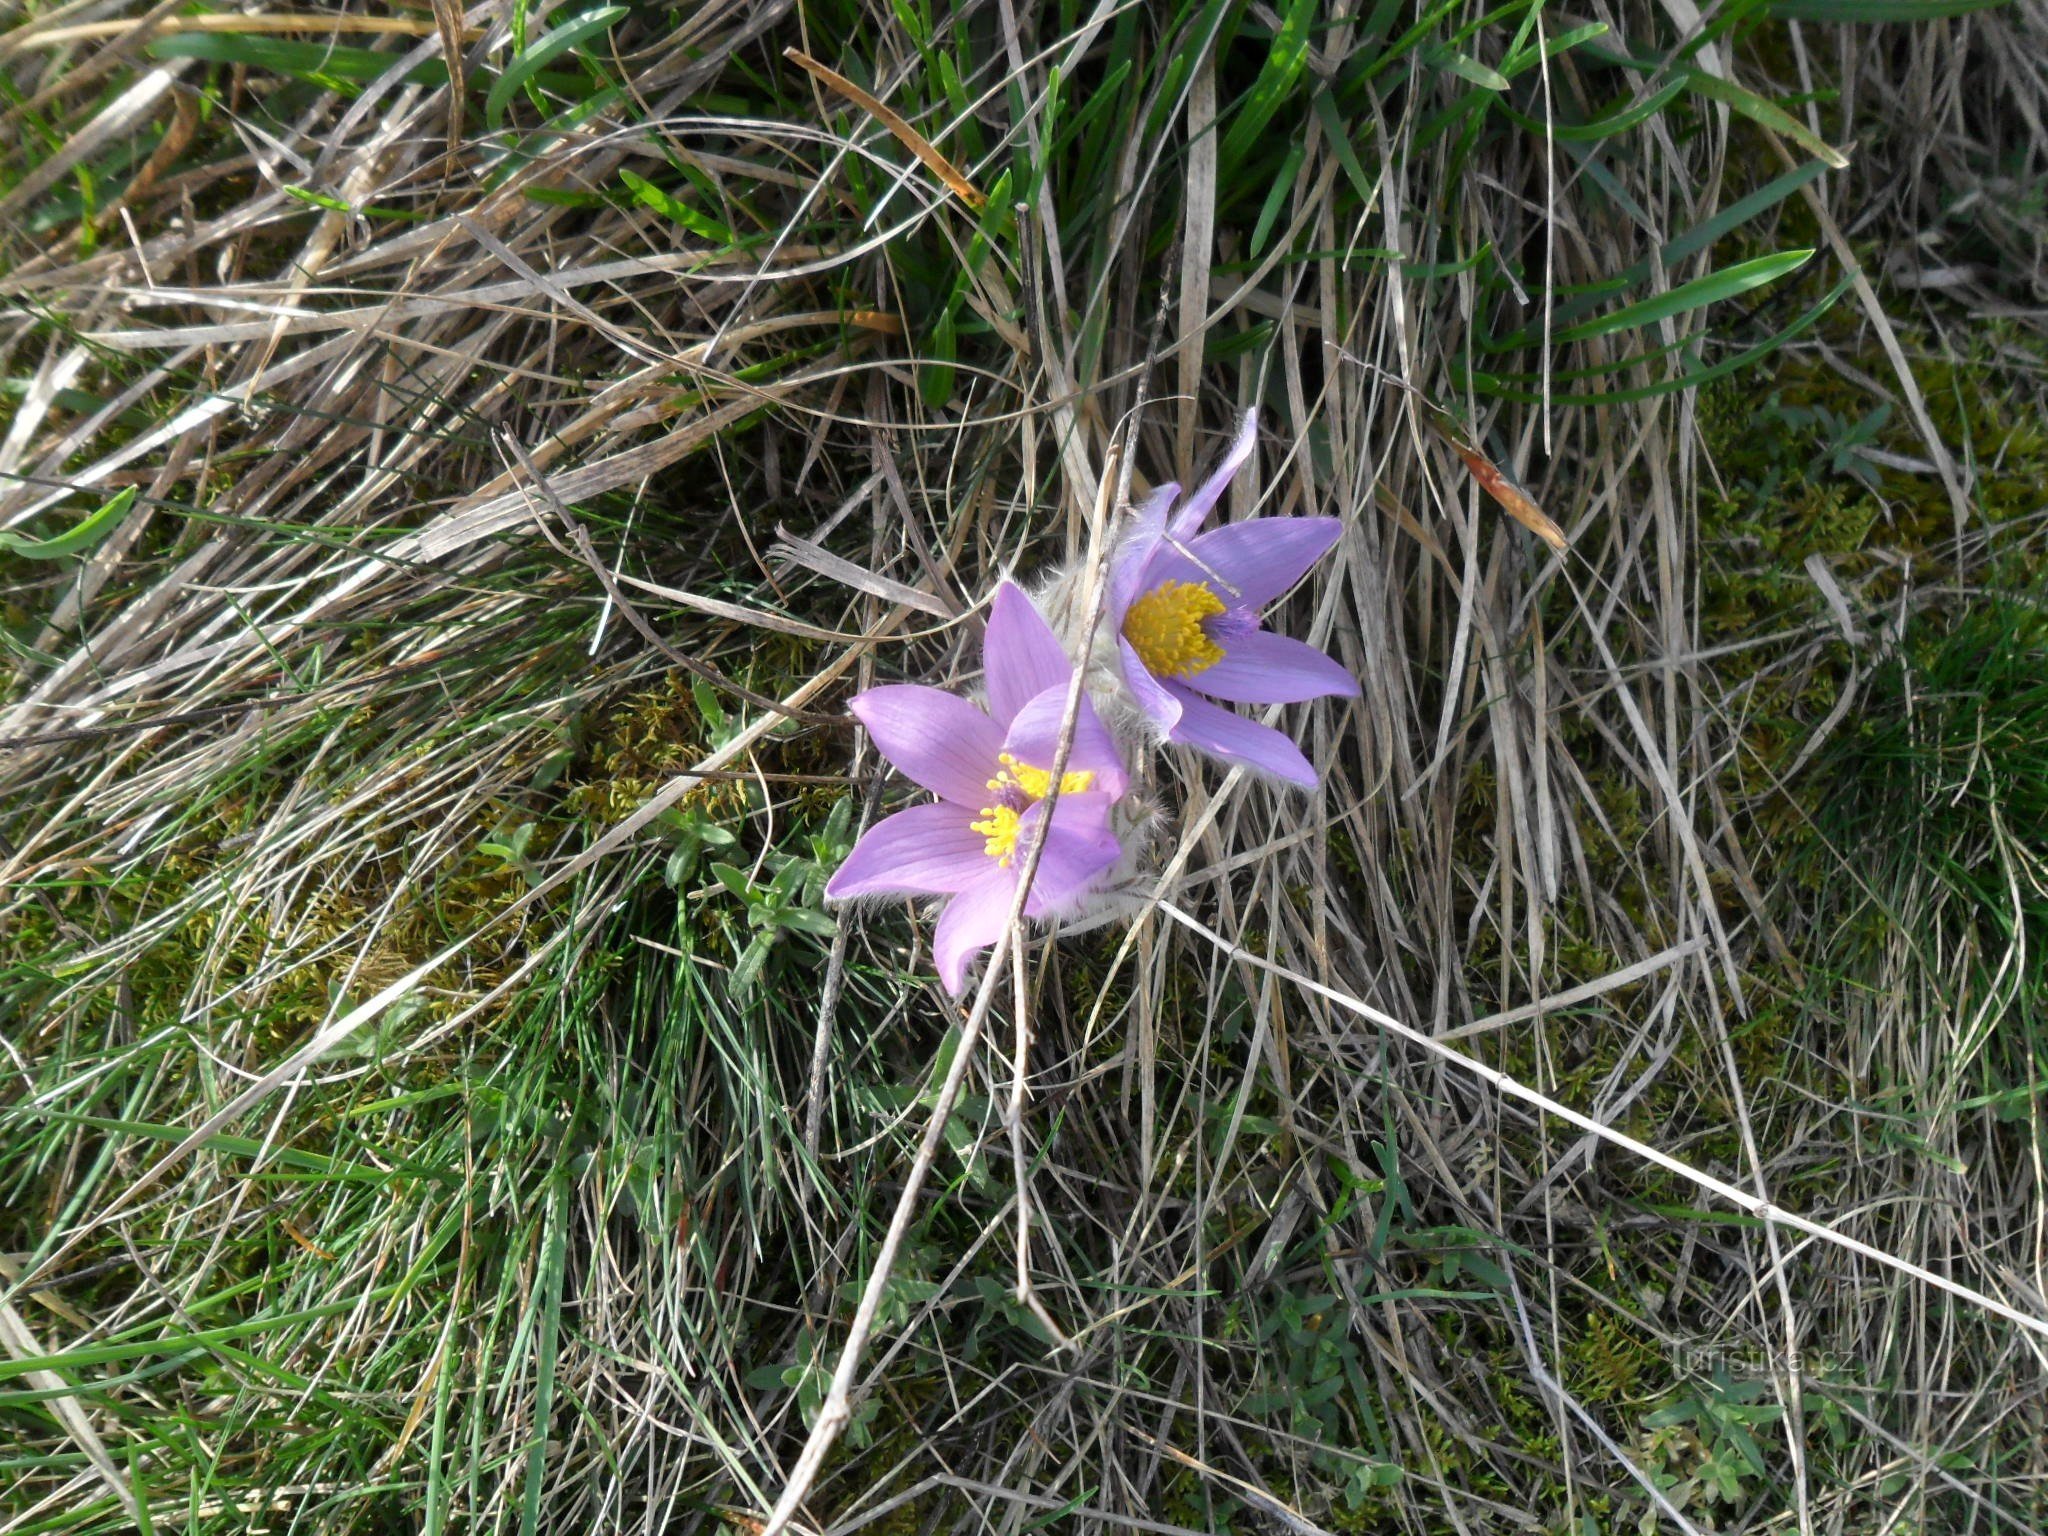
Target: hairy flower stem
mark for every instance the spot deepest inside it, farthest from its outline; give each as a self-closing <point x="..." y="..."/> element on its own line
<point x="1020" y="1003"/>
<point x="838" y="1406"/>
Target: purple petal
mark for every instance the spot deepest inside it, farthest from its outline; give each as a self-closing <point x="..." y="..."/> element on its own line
<point x="1215" y="730"/>
<point x="939" y="739"/>
<point x="1159" y="705"/>
<point x="1140" y="541"/>
<point x="1020" y="654"/>
<point x="926" y="850"/>
<point x="1263" y="668"/>
<point x="1256" y="560"/>
<point x="1035" y="737"/>
<point x="1079" y="846"/>
<point x="971" y="922"/>
<point x="1196" y="508"/>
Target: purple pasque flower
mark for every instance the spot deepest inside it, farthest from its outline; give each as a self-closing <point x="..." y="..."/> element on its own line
<point x="1184" y="608"/>
<point x="991" y="772"/>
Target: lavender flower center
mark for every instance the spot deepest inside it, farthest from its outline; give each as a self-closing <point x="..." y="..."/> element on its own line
<point x="1165" y="628"/>
<point x="1018" y="786"/>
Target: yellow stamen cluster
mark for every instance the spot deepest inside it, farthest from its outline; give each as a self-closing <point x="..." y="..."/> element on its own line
<point x="998" y="824"/>
<point x="1165" y="628"/>
<point x="998" y="827"/>
<point x="1035" y="783"/>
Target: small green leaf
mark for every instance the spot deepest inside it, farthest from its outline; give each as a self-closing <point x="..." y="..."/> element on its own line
<point x="935" y="377"/>
<point x="707" y="702"/>
<point x="748" y="970"/>
<point x="735" y="881"/>
<point x="783" y="886"/>
<point x="803" y="920"/>
<point x="681" y="865"/>
<point x="840" y="821"/>
<point x="318" y="199"/>
<point x="1466" y="67"/>
<point x="918" y="29"/>
<point x="73" y="541"/>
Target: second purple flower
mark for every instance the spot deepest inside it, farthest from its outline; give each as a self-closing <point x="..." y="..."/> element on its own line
<point x="1184" y="609"/>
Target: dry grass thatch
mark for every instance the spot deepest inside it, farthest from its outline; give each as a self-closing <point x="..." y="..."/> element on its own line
<point x="538" y="420"/>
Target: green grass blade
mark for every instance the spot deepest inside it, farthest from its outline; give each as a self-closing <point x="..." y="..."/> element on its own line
<point x="1618" y="119"/>
<point x="102" y="1354"/>
<point x="1327" y="113"/>
<point x="1529" y="55"/>
<point x="326" y="63"/>
<point x="1469" y="69"/>
<point x="1277" y="79"/>
<point x="540" y="53"/>
<point x="1276" y="199"/>
<point x="1515" y="387"/>
<point x="670" y="207"/>
<point x="73" y="540"/>
<point x="1714" y="288"/>
<point x="554" y="1258"/>
<point x="1766" y="197"/>
<point x="1691" y="243"/>
<point x="1766" y="114"/>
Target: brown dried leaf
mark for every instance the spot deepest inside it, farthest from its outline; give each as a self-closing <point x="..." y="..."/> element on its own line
<point x="911" y="139"/>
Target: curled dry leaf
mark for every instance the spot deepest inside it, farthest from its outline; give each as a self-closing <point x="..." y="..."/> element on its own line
<point x="1496" y="482"/>
<point x="881" y="112"/>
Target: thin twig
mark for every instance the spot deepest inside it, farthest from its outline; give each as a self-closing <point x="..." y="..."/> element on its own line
<point x="837" y="1409"/>
<point x="1763" y="1210"/>
<point x="1026" y="1293"/>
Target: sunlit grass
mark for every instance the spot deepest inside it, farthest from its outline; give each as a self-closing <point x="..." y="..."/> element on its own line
<point x="448" y="846"/>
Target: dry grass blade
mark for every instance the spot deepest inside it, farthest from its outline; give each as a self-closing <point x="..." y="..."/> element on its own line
<point x="253" y="21"/>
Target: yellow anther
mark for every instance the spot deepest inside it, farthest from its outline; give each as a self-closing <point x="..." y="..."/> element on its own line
<point x="1035" y="783"/>
<point x="998" y="826"/>
<point x="1165" y="628"/>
